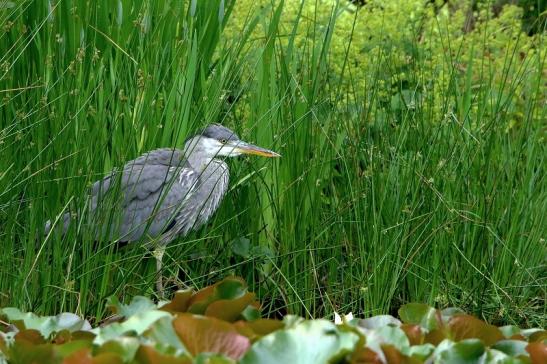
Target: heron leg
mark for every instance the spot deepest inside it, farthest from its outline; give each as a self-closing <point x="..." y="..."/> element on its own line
<point x="158" y="254"/>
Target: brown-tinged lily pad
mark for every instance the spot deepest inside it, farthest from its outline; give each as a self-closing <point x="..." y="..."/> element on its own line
<point x="30" y="336"/>
<point x="229" y="288"/>
<point x="148" y="355"/>
<point x="258" y="328"/>
<point x="179" y="302"/>
<point x="364" y="355"/>
<point x="229" y="310"/>
<point x="414" y="333"/>
<point x="538" y="336"/>
<point x="538" y="352"/>
<point x="27" y="352"/>
<point x="208" y="334"/>
<point x="469" y="327"/>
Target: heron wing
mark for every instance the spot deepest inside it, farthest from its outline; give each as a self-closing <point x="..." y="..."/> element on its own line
<point x="142" y="200"/>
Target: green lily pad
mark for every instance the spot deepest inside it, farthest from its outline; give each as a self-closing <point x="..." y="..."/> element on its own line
<point x="124" y="347"/>
<point x="251" y="313"/>
<point x="138" y="304"/>
<point x="162" y="334"/>
<point x="137" y="324"/>
<point x="419" y="314"/>
<point x="511" y="347"/>
<point x="46" y="325"/>
<point x="509" y="331"/>
<point x="229" y="288"/>
<point x="466" y="351"/>
<point x="317" y="341"/>
<point x="376" y="322"/>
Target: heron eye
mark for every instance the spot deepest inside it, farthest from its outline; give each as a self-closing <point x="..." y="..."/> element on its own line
<point x="223" y="141"/>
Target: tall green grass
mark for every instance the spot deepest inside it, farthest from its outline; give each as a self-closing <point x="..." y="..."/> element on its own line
<point x="371" y="206"/>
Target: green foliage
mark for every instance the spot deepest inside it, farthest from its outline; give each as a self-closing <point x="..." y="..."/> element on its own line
<point x="413" y="154"/>
<point x="166" y="332"/>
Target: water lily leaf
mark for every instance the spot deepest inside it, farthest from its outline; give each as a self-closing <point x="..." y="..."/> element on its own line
<point x="364" y="355"/>
<point x="26" y="352"/>
<point x="208" y="334"/>
<point x="465" y="351"/>
<point x="229" y="309"/>
<point x="251" y="313"/>
<point x="45" y="325"/>
<point x="436" y="336"/>
<point x="291" y="321"/>
<point x="210" y="358"/>
<point x="146" y="354"/>
<point x="201" y="299"/>
<point x="468" y="327"/>
<point x="71" y="347"/>
<point x="420" y="314"/>
<point x="138" y="304"/>
<point x="511" y="347"/>
<point x="163" y="335"/>
<point x="317" y="341"/>
<point x="393" y="355"/>
<point x="82" y="356"/>
<point x="30" y="336"/>
<point x="414" y="334"/>
<point x="124" y="347"/>
<point x="538" y="336"/>
<point x="229" y="288"/>
<point x="421" y="352"/>
<point x="376" y="322"/>
<point x="538" y="352"/>
<point x="179" y="302"/>
<point x="264" y="327"/>
<point x="136" y="324"/>
<point x="509" y="331"/>
<point x="450" y="312"/>
<point x="494" y="356"/>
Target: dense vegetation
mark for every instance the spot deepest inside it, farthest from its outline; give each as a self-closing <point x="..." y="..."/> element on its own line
<point x="412" y="135"/>
<point x="221" y="324"/>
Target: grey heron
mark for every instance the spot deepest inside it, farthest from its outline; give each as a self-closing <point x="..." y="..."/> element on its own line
<point x="166" y="193"/>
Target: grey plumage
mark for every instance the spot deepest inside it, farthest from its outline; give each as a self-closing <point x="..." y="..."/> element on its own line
<point x="165" y="193"/>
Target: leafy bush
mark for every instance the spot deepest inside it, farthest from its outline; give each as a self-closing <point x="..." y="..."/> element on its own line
<point x="416" y="52"/>
<point x="221" y="324"/>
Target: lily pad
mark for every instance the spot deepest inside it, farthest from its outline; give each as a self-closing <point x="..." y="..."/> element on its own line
<point x="465" y="351"/>
<point x="207" y="334"/>
<point x="137" y="305"/>
<point x="317" y="341"/>
<point x="468" y="327"/>
<point x="420" y="314"/>
<point x="511" y="347"/>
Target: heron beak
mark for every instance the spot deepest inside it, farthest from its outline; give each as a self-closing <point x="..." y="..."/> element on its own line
<point x="247" y="148"/>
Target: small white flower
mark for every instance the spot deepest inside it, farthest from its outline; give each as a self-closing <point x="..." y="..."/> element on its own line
<point x="338" y="320"/>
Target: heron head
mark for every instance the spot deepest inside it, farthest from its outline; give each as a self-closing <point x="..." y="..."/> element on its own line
<point x="217" y="140"/>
